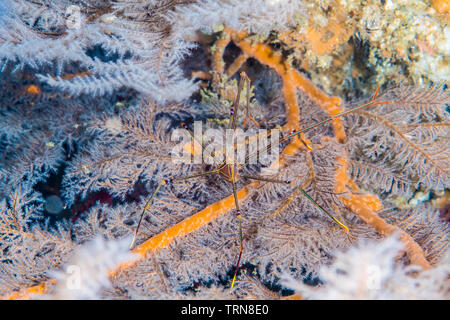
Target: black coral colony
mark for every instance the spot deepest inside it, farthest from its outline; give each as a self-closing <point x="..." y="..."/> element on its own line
<point x="93" y="91"/>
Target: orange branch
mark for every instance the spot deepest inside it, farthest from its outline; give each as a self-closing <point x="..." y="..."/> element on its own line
<point x="33" y="89"/>
<point x="158" y="241"/>
<point x="73" y="75"/>
<point x="366" y="205"/>
<point x="291" y="104"/>
<point x="188" y="225"/>
<point x="237" y="64"/>
<point x="166" y="237"/>
<point x="218" y="64"/>
<point x="202" y="75"/>
<point x="25" y="294"/>
<point x="292" y="80"/>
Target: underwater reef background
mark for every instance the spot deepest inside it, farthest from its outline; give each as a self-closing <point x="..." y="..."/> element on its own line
<point x="92" y="90"/>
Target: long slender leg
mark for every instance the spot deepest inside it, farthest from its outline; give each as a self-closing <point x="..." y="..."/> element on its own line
<point x="321" y="208"/>
<point x="247" y="111"/>
<point x="371" y="103"/>
<point x="238" y="214"/>
<point x="304" y="193"/>
<point x="194" y="139"/>
<point x="162" y="183"/>
<point x="234" y="110"/>
<point x="264" y="179"/>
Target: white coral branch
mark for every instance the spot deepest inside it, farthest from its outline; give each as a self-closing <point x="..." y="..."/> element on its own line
<point x="368" y="271"/>
<point x="86" y="274"/>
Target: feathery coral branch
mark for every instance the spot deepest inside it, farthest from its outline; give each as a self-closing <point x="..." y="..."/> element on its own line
<point x="365" y="206"/>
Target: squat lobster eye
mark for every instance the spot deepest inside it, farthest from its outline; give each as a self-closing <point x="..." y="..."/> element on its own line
<point x="168" y="181"/>
<point x="231" y="111"/>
